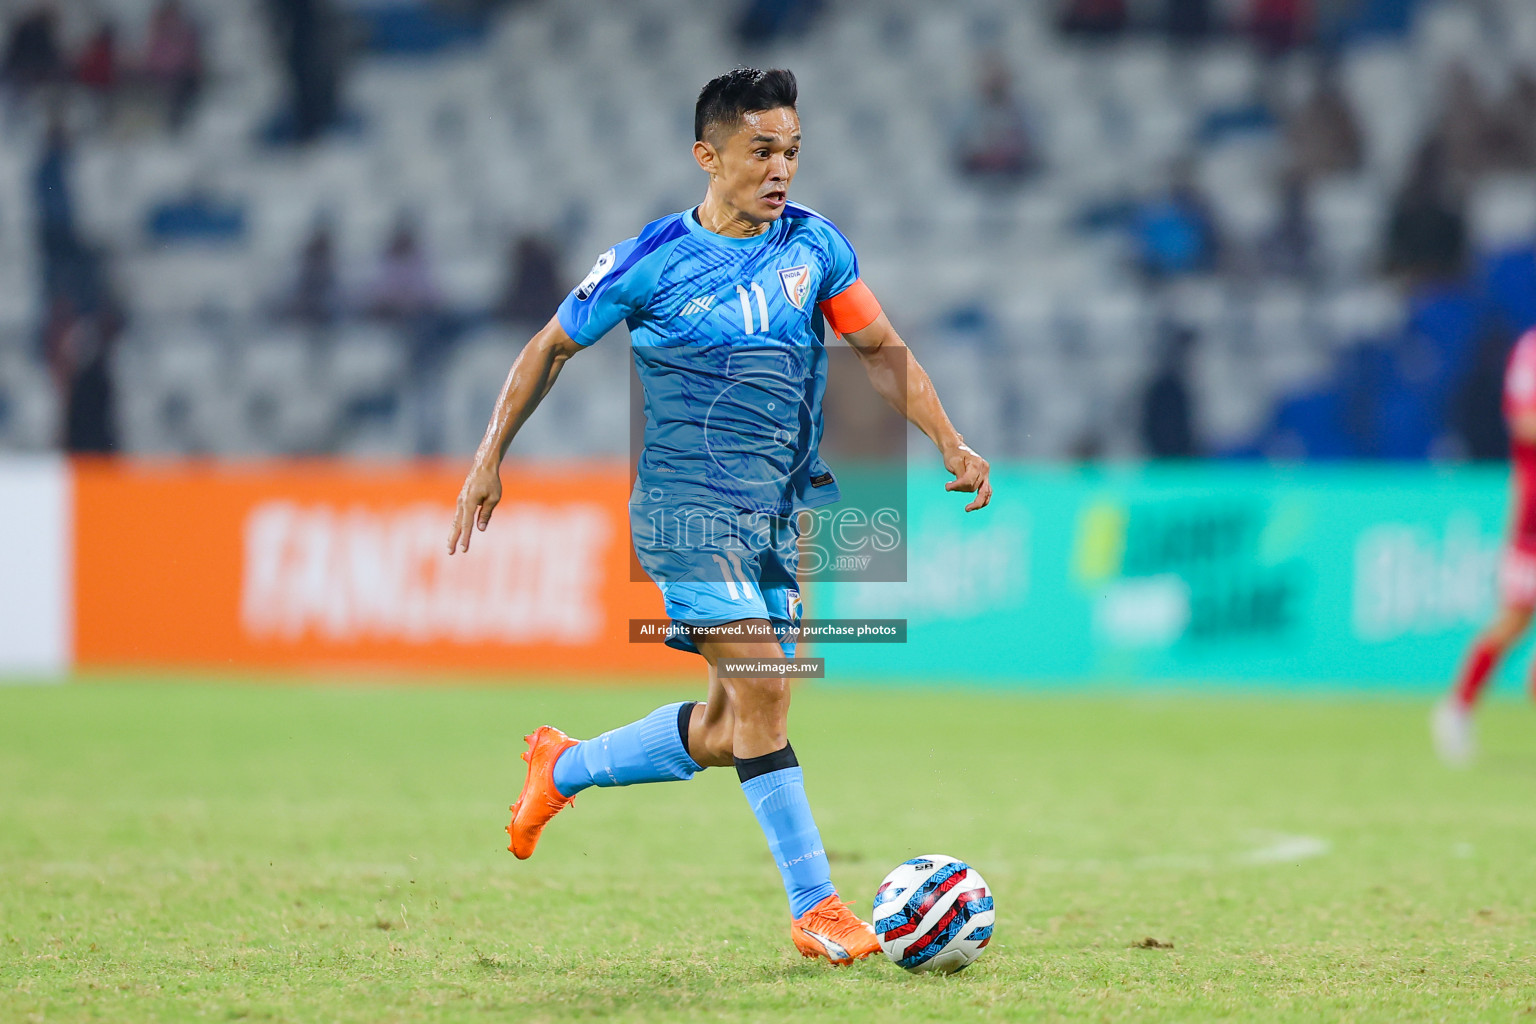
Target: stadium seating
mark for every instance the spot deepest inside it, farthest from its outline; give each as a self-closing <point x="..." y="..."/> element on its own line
<point x="573" y="119"/>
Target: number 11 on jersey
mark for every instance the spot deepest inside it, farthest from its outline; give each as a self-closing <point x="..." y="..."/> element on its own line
<point x="746" y="308"/>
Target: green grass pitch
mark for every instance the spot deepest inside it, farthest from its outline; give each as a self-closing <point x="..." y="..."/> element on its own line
<point x="218" y="852"/>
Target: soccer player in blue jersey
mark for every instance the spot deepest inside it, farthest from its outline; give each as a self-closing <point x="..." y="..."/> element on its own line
<point x="725" y="305"/>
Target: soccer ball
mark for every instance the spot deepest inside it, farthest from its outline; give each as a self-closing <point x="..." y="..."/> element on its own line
<point x="933" y="913"/>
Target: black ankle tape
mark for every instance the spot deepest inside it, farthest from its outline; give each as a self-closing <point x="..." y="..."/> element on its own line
<point x="750" y="768"/>
<point x="684" y="720"/>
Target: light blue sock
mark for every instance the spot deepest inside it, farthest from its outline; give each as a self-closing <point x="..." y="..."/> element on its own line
<point x="650" y="750"/>
<point x="778" y="800"/>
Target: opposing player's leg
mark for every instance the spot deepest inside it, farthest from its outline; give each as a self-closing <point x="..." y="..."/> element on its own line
<point x="771" y="778"/>
<point x="1451" y="721"/>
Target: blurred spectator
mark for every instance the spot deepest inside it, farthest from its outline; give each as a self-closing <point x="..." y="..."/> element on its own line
<point x="67" y="267"/>
<point x="1279" y="26"/>
<point x="1426" y="233"/>
<point x="1466" y="130"/>
<point x="1093" y="18"/>
<point x="1514" y="117"/>
<point x="766" y="21"/>
<point x="173" y="60"/>
<point x="1478" y="136"/>
<point x="33" y="56"/>
<point x="98" y="71"/>
<point x="403" y="289"/>
<point x="1176" y="231"/>
<point x="994" y="141"/>
<point x="316" y="296"/>
<point x="1517" y="118"/>
<point x="310" y="32"/>
<point x="1287" y="252"/>
<point x="1323" y="133"/>
<point x="533" y="287"/>
<point x="96" y="68"/>
<point x="1187" y="22"/>
<point x="1167" y="430"/>
<point x="79" y="352"/>
<point x="404" y="294"/>
<point x="50" y="182"/>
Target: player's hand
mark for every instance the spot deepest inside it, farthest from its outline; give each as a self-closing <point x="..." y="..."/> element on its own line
<point x="971" y="473"/>
<point x="478" y="498"/>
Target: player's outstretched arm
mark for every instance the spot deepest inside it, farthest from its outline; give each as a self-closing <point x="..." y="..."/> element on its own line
<point x="533" y="373"/>
<point x="890" y="365"/>
<point x="1522" y="426"/>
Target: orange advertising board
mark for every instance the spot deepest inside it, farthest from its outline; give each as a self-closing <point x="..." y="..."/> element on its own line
<point x="328" y="565"/>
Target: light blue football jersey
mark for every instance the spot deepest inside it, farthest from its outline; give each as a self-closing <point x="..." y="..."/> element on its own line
<point x="728" y="342"/>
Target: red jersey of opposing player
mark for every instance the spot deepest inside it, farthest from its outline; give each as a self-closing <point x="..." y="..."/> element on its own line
<point x="1517" y="575"/>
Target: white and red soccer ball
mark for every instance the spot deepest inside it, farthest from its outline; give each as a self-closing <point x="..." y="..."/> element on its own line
<point x="933" y="913"/>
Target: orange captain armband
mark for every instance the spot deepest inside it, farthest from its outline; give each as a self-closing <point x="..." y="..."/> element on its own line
<point x="852" y="309"/>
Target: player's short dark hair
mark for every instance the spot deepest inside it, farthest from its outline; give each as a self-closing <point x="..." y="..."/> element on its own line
<point x="725" y="99"/>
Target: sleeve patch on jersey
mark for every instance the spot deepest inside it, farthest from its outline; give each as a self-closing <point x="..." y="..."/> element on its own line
<point x="852" y="309"/>
<point x="599" y="270"/>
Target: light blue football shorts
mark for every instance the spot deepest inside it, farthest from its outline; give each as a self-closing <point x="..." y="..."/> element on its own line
<point x="719" y="565"/>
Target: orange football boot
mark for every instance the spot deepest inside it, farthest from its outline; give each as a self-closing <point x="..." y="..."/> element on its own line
<point x="831" y="930"/>
<point x="539" y="800"/>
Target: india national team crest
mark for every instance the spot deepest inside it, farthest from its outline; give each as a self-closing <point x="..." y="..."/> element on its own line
<point x="797" y="284"/>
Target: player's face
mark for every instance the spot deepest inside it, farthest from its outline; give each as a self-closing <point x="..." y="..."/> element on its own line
<point x="751" y="169"/>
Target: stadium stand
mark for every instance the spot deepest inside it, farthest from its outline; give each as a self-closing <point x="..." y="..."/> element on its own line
<point x="1039" y="302"/>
